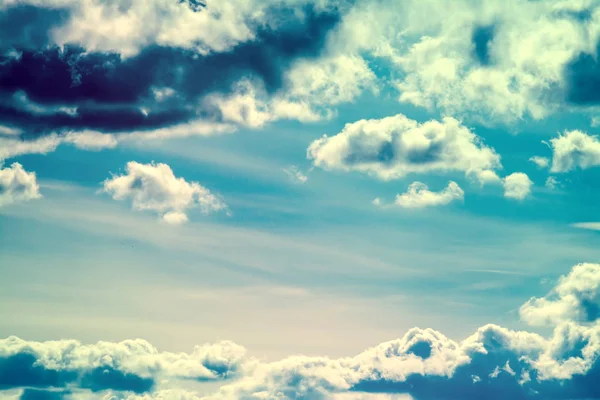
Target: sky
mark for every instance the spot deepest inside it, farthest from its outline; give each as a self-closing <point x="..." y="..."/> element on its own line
<point x="299" y="199"/>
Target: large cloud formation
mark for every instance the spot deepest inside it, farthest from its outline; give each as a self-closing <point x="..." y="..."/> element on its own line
<point x="155" y="187"/>
<point x="492" y="363"/>
<point x="70" y="66"/>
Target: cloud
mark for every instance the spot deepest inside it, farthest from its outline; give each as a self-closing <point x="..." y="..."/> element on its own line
<point x="541" y="162"/>
<point x="494" y="362"/>
<point x="551" y="183"/>
<point x="132" y="365"/>
<point x="83" y="79"/>
<point x="396" y="146"/>
<point x="493" y="62"/>
<point x="17" y="185"/>
<point x="576" y="297"/>
<point x="295" y="174"/>
<point x="574" y="149"/>
<point x="517" y="186"/>
<point x="419" y="196"/>
<point x="154" y="187"/>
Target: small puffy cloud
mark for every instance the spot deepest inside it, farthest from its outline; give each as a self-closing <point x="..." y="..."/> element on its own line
<point x="419" y="196"/>
<point x="517" y="186"/>
<point x="574" y="149"/>
<point x="551" y="183"/>
<point x="541" y="162"/>
<point x="295" y="174"/>
<point x="576" y="297"/>
<point x="396" y="146"/>
<point x="16" y="185"/>
<point x="155" y="187"/>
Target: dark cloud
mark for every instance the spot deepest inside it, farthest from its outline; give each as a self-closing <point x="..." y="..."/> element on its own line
<point x="23" y="370"/>
<point x="482" y="38"/>
<point x="37" y="394"/>
<point x="583" y="79"/>
<point x="53" y="89"/>
<point x="105" y="378"/>
<point x="28" y="27"/>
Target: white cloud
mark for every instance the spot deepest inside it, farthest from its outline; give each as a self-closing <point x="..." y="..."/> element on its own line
<point x="16" y="185"/>
<point x="541" y="162"/>
<point x="551" y="183"/>
<point x="517" y="186"/>
<point x="490" y="361"/>
<point x="206" y="362"/>
<point x="9" y="131"/>
<point x="90" y="140"/>
<point x="419" y="196"/>
<point x="516" y="71"/>
<point x="574" y="149"/>
<point x="393" y="147"/>
<point x="576" y="297"/>
<point x="154" y="187"/>
<point x="295" y="174"/>
<point x="10" y="147"/>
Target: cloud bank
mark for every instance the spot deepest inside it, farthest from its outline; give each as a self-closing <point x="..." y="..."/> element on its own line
<point x="493" y="362"/>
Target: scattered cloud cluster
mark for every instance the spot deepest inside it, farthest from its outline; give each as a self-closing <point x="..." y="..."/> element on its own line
<point x="494" y="362"/>
<point x="17" y="185"/>
<point x="155" y="187"/>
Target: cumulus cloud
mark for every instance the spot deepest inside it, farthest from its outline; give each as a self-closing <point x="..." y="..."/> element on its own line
<point x="419" y="196"/>
<point x="517" y="186"/>
<point x="576" y="297"/>
<point x="17" y="185"/>
<point x="496" y="62"/>
<point x="493" y="363"/>
<point x="574" y="149"/>
<point x="130" y="366"/>
<point x="155" y="187"/>
<point x="393" y="147"/>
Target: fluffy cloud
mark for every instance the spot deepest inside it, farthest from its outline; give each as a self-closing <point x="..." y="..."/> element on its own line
<point x="154" y="187"/>
<point x="575" y="298"/>
<point x="69" y="75"/>
<point x="131" y="366"/>
<point x="492" y="61"/>
<point x="574" y="149"/>
<point x="393" y="147"/>
<point x="16" y="184"/>
<point x="419" y="196"/>
<point x="494" y="362"/>
<point x="517" y="186"/>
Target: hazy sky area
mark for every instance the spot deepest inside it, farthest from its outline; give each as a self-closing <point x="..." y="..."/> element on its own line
<point x="299" y="199"/>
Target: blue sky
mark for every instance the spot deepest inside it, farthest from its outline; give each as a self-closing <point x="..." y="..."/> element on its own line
<point x="243" y="199"/>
